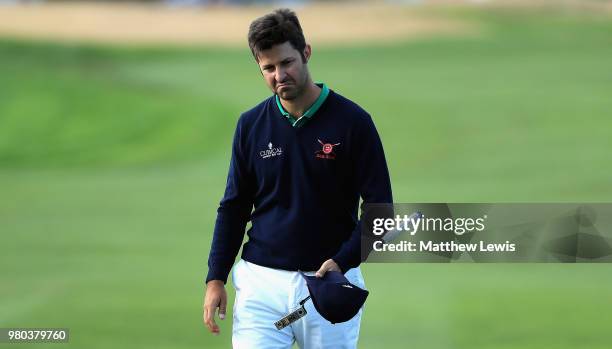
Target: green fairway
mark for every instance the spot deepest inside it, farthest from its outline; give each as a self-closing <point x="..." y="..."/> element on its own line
<point x="113" y="161"/>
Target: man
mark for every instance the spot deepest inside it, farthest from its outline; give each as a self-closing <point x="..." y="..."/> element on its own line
<point x="302" y="158"/>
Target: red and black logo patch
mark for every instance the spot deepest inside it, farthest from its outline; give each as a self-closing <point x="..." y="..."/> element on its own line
<point x="327" y="150"/>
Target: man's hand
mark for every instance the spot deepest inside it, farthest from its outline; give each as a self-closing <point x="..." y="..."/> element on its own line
<point x="214" y="297"/>
<point x="328" y="265"/>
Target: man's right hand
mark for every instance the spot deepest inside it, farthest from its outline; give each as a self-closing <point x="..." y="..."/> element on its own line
<point x="214" y="297"/>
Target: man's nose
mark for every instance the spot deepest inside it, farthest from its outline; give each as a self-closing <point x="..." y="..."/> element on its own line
<point x="280" y="75"/>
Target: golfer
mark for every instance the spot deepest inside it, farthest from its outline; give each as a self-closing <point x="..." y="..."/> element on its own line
<point x="301" y="160"/>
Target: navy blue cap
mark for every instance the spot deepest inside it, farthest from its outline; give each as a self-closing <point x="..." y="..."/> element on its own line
<point x="334" y="297"/>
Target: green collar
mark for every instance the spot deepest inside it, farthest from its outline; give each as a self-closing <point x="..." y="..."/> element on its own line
<point x="310" y="112"/>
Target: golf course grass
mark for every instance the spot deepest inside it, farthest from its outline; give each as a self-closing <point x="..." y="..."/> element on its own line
<point x="113" y="161"/>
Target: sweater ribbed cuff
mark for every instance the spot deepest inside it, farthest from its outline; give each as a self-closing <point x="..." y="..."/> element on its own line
<point x="217" y="274"/>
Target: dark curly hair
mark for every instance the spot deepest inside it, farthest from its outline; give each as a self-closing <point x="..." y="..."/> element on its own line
<point x="276" y="28"/>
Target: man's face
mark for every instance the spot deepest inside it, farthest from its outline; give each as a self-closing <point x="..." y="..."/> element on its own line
<point x="284" y="71"/>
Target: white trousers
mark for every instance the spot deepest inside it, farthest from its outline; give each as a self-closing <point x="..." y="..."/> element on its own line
<point x="265" y="295"/>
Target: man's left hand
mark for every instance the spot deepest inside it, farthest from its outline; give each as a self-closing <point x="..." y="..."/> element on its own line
<point x="328" y="265"/>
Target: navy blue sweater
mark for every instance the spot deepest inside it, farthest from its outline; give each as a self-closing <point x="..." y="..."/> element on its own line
<point x="304" y="184"/>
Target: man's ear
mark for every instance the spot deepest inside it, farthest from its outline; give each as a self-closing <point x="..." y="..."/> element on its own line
<point x="307" y="53"/>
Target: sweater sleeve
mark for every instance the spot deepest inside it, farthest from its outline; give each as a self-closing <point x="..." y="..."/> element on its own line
<point x="373" y="183"/>
<point x="233" y="213"/>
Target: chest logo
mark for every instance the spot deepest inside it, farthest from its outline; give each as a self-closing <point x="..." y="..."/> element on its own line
<point x="327" y="150"/>
<point x="271" y="151"/>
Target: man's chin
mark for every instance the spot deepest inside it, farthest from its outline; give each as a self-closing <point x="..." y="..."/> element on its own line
<point x="287" y="94"/>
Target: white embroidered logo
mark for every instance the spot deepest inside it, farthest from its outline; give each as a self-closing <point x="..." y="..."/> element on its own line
<point x="271" y="151"/>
